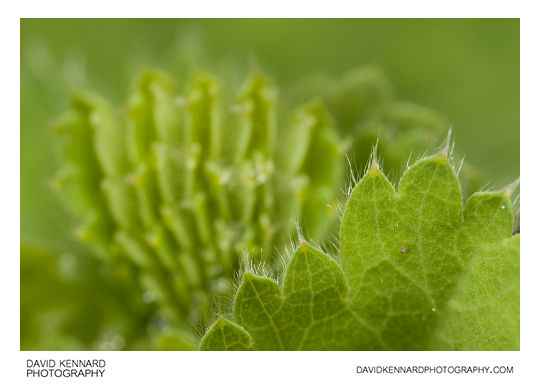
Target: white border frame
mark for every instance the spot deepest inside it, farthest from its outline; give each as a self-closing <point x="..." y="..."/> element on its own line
<point x="266" y="366"/>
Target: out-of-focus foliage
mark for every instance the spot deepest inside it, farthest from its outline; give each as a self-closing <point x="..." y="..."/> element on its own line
<point x="70" y="301"/>
<point x="367" y="114"/>
<point x="182" y="186"/>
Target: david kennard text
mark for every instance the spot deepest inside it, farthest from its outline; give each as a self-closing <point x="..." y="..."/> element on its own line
<point x="65" y="368"/>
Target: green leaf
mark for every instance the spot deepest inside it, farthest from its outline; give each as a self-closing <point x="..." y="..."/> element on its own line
<point x="226" y="336"/>
<point x="486" y="299"/>
<point x="310" y="313"/>
<point x="418" y="271"/>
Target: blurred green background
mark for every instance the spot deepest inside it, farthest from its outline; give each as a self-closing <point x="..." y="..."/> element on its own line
<point x="468" y="70"/>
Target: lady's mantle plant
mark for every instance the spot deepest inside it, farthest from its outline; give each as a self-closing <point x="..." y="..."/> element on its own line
<point x="180" y="187"/>
<point x="417" y="270"/>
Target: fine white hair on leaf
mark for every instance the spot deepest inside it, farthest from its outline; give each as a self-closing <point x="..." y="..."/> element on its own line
<point x="299" y="233"/>
<point x="447" y="149"/>
<point x="203" y="326"/>
<point x="237" y="279"/>
<point x="285" y="253"/>
<point x="448" y="144"/>
<point x="408" y="165"/>
<point x="291" y="244"/>
<point x="353" y="171"/>
<point x="317" y="245"/>
<point x="393" y="178"/>
<point x="423" y="156"/>
<point x="460" y="165"/>
<point x="344" y="192"/>
<point x="335" y="209"/>
<point x="510" y="190"/>
<point x="282" y="261"/>
<point x="354" y="177"/>
<point x="485" y="187"/>
<point x="374" y="160"/>
<point x="516" y="201"/>
<point x="512" y="187"/>
<point x="222" y="306"/>
<point x="333" y="245"/>
<point x="395" y="174"/>
<point x="516" y="206"/>
<point x="340" y="204"/>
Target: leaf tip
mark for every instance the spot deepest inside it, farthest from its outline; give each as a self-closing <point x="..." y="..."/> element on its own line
<point x="374" y="170"/>
<point x="510" y="188"/>
<point x="303" y="245"/>
<point x="441" y="158"/>
<point x="221" y="323"/>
